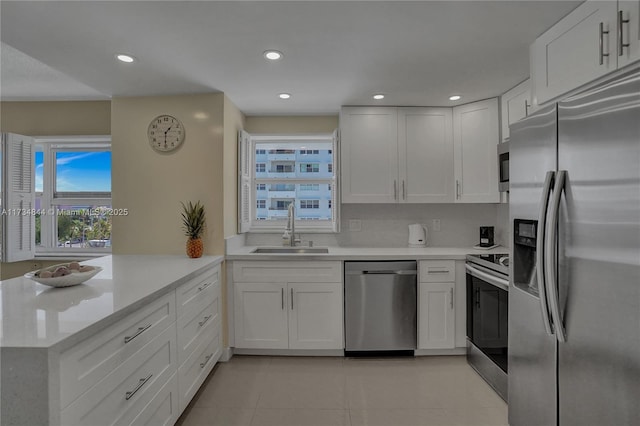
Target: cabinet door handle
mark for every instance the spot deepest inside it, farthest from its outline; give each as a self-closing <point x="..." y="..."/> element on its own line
<point x="204" y="286"/>
<point x="282" y="294"/>
<point x="457" y="189"/>
<point x="602" y="33"/>
<point x="451" y="294"/>
<point x="621" y="43"/>
<point x="526" y="108"/>
<point x="403" y="191"/>
<point x="478" y="298"/>
<point x="201" y="323"/>
<point x="141" y="383"/>
<point x="206" y="360"/>
<point x="395" y="190"/>
<point x="291" y="299"/>
<point x="141" y="330"/>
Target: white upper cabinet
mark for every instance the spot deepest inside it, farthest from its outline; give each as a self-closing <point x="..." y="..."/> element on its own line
<point x="369" y="154"/>
<point x="396" y="155"/>
<point x="475" y="137"/>
<point x="594" y="39"/>
<point x="515" y="105"/>
<point x="425" y="154"/>
<point x="628" y="31"/>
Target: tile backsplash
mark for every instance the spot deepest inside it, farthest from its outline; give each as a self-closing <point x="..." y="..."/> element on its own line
<point x="386" y="225"/>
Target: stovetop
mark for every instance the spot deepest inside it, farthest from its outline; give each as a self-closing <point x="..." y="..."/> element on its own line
<point x="495" y="262"/>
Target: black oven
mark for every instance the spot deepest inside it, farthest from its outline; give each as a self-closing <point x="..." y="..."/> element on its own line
<point x="503" y="167"/>
<point x="487" y="318"/>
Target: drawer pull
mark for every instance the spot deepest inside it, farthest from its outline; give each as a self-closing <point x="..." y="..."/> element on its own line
<point x="204" y="286"/>
<point x="438" y="271"/>
<point x="206" y="360"/>
<point x="141" y="383"/>
<point x="201" y="323"/>
<point x="141" y="330"/>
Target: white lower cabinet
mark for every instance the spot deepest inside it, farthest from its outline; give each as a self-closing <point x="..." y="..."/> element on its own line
<point x="315" y="317"/>
<point x="146" y="368"/>
<point x="295" y="305"/>
<point x="436" y="305"/>
<point x="437" y="316"/>
<point x="261" y="316"/>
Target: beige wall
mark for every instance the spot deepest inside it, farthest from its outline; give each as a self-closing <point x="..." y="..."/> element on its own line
<point x="291" y="124"/>
<point x="234" y="121"/>
<point x="152" y="185"/>
<point x="56" y="118"/>
<point x="51" y="119"/>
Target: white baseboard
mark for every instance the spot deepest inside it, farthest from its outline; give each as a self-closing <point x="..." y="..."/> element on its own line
<point x="427" y="352"/>
<point x="289" y="352"/>
<point x="226" y="355"/>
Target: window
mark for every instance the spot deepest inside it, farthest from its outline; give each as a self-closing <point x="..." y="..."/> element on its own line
<point x="309" y="204"/>
<point x="73" y="195"/>
<point x="289" y="178"/>
<point x="261" y="187"/>
<point x="309" y="167"/>
<point x="261" y="167"/>
<point x="261" y="204"/>
<point x="330" y="168"/>
<point x="284" y="168"/>
<point x="310" y="187"/>
<point x="260" y="152"/>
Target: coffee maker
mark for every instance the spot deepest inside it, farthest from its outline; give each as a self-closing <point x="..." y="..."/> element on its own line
<point x="486" y="236"/>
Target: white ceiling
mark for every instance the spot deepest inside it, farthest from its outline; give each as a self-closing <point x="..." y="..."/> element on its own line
<point x="335" y="52"/>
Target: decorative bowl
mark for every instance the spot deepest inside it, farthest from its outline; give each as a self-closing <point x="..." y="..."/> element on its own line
<point x="74" y="278"/>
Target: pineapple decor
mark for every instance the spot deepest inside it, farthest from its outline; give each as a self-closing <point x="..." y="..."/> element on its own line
<point x="193" y="225"/>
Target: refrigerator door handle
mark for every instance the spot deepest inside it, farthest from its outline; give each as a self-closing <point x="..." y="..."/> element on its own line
<point x="540" y="252"/>
<point x="551" y="266"/>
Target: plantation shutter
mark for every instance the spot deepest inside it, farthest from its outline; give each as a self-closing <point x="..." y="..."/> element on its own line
<point x="244" y="182"/>
<point x="18" y="198"/>
<point x="335" y="195"/>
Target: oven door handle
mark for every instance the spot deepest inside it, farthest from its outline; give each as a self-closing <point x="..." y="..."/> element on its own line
<point x="484" y="276"/>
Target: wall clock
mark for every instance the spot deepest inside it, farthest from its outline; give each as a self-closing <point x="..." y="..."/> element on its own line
<point x="166" y="133"/>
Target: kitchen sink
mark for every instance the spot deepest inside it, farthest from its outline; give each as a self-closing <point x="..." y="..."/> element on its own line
<point x="291" y="250"/>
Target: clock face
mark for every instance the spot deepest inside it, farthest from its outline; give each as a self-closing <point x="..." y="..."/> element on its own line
<point x="165" y="133"/>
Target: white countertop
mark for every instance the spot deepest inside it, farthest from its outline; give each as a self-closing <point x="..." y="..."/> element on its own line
<point x="366" y="253"/>
<point x="33" y="315"/>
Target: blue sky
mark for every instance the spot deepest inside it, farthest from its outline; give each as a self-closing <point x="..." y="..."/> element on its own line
<point x="78" y="171"/>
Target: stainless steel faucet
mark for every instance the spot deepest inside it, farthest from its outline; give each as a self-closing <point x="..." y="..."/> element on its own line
<point x="291" y="224"/>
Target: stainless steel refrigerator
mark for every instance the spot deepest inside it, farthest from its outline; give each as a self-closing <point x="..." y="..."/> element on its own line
<point x="574" y="301"/>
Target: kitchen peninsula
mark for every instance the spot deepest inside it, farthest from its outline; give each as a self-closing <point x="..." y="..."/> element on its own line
<point x="133" y="343"/>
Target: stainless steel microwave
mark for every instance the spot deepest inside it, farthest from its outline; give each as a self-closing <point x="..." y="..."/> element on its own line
<point x="503" y="166"/>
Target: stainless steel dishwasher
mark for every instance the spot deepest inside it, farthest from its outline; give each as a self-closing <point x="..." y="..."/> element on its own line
<point x="380" y="307"/>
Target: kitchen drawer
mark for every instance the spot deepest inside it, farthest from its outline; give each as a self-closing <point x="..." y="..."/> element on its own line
<point x="198" y="365"/>
<point x="83" y="365"/>
<point x="437" y="271"/>
<point x="162" y="410"/>
<point x="193" y="326"/>
<point x="298" y="271"/>
<point x="197" y="289"/>
<point x="138" y="379"/>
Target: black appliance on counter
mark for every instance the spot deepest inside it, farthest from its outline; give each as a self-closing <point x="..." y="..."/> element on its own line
<point x="487" y="317"/>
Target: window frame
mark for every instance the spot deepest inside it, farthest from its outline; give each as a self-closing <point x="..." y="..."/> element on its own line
<point x="51" y="199"/>
<point x="305" y="226"/>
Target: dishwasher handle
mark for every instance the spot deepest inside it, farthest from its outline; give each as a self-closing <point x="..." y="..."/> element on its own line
<point x="383" y="272"/>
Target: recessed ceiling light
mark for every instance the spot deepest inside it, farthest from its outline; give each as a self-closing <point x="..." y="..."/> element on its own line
<point x="125" y="58"/>
<point x="273" y="55"/>
<point x="378" y="96"/>
<point x="454" y="97"/>
<point x="284" y="96"/>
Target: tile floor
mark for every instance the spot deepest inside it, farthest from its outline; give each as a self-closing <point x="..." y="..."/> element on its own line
<point x="318" y="391"/>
